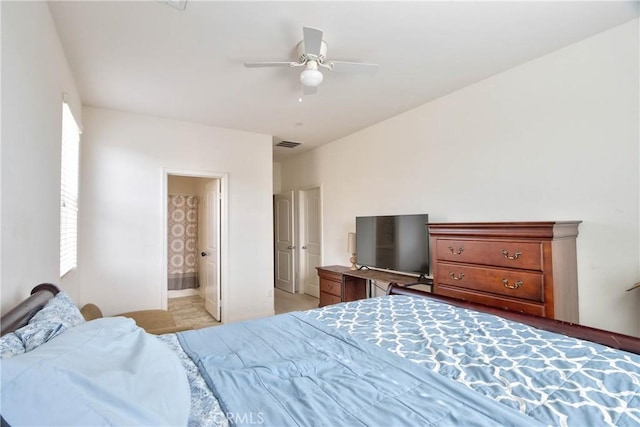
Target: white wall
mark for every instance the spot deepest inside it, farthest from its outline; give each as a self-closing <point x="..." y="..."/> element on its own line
<point x="553" y="139"/>
<point x="121" y="261"/>
<point x="35" y="74"/>
<point x="277" y="177"/>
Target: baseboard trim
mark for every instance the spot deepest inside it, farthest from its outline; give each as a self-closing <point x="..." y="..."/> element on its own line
<point x="313" y="290"/>
<point x="183" y="293"/>
<point x="249" y="316"/>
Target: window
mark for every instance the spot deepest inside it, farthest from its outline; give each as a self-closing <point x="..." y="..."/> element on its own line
<point x="69" y="191"/>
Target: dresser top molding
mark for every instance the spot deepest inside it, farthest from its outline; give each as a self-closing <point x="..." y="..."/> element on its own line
<point x="519" y="229"/>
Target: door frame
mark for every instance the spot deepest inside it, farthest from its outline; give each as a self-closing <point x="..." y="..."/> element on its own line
<point x="300" y="217"/>
<point x="223" y="252"/>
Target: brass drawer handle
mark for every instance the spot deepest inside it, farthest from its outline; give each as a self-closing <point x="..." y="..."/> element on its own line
<point x="454" y="277"/>
<point x="455" y="251"/>
<point x="516" y="285"/>
<point x="507" y="256"/>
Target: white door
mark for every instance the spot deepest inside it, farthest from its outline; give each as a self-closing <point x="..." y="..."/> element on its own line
<point x="284" y="242"/>
<point x="210" y="252"/>
<point x="311" y="240"/>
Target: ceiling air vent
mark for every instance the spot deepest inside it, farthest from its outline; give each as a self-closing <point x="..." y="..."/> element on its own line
<point x="288" y="144"/>
<point x="178" y="4"/>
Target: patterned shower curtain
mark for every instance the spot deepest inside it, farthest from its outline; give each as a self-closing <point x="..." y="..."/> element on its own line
<point x="183" y="242"/>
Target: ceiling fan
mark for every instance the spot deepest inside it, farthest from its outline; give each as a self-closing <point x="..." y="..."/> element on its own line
<point x="312" y="55"/>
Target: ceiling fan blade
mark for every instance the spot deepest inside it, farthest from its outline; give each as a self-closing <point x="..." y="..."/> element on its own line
<point x="312" y="41"/>
<point x="268" y="64"/>
<point x="353" y="67"/>
<point x="309" y="90"/>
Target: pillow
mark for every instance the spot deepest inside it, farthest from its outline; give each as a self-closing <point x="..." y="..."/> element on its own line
<point x="10" y="345"/>
<point x="58" y="315"/>
<point x="104" y="372"/>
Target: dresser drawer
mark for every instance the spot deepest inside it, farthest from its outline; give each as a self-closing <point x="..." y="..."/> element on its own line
<point x="513" y="283"/>
<point x="511" y="254"/>
<point x="336" y="276"/>
<point x="331" y="287"/>
<point x="493" y="301"/>
<point x="328" y="299"/>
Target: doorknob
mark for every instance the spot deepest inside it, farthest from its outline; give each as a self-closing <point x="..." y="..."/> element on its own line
<point x="304" y="247"/>
<point x="203" y="254"/>
<point x="291" y="247"/>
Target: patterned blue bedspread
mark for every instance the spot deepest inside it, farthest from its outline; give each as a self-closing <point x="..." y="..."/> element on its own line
<point x="205" y="408"/>
<point x="291" y="370"/>
<point x="554" y="379"/>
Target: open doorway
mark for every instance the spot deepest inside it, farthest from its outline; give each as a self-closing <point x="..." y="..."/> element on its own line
<point x="194" y="224"/>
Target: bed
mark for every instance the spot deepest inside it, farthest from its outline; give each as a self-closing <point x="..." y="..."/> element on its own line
<point x="407" y="358"/>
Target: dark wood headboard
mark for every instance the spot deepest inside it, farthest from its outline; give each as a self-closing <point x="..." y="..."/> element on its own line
<point x="23" y="312"/>
<point x="600" y="336"/>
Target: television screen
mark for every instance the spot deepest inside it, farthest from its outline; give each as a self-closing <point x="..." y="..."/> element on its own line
<point x="393" y="242"/>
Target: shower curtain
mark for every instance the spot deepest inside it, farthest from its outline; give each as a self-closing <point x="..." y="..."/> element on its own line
<point x="183" y="242"/>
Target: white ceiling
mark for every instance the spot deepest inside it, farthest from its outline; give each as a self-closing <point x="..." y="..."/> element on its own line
<point x="150" y="58"/>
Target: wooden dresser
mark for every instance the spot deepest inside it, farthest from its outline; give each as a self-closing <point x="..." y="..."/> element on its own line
<point x="341" y="284"/>
<point x="336" y="286"/>
<point x="522" y="266"/>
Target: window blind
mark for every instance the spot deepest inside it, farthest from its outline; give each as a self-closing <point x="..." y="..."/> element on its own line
<point x="69" y="170"/>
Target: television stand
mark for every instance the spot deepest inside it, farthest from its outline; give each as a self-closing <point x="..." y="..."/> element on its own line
<point x="341" y="284"/>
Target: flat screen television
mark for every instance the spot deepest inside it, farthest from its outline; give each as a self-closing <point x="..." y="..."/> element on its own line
<point x="393" y="242"/>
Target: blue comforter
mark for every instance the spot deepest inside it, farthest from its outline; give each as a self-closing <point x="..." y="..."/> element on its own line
<point x="107" y="372"/>
<point x="293" y="370"/>
<point x="555" y="379"/>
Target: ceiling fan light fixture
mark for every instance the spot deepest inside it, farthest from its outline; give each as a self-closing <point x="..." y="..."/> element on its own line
<point x="311" y="76"/>
<point x="312" y="55"/>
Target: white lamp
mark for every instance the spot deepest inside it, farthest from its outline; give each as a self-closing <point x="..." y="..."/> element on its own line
<point x="311" y="76"/>
<point x="351" y="248"/>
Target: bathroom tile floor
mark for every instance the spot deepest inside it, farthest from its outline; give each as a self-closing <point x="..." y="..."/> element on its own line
<point x="190" y="311"/>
